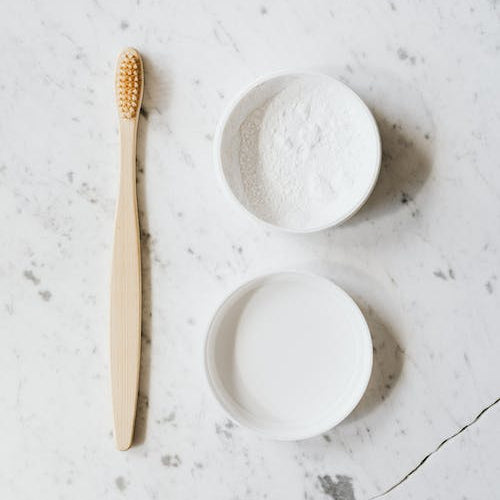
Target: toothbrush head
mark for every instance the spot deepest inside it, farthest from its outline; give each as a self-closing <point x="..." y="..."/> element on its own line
<point x="129" y="84"/>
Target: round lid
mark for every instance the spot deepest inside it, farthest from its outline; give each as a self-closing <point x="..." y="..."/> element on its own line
<point x="288" y="355"/>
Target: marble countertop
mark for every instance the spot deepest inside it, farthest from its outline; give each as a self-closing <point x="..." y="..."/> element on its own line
<point x="421" y="258"/>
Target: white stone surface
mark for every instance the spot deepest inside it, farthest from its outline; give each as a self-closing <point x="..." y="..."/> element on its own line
<point x="421" y="258"/>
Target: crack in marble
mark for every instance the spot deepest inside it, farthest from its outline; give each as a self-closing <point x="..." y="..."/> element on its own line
<point x="449" y="438"/>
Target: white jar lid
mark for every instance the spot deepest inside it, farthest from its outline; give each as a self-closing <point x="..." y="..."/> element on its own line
<point x="288" y="355"/>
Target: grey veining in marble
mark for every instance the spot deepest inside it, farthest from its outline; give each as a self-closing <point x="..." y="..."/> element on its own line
<point x="421" y="258"/>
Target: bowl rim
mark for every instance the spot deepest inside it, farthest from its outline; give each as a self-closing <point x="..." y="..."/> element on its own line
<point x="307" y="430"/>
<point x="217" y="149"/>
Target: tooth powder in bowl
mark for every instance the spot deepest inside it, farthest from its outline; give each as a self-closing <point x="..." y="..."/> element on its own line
<point x="299" y="151"/>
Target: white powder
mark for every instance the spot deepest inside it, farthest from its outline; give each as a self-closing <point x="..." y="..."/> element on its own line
<point x="301" y="154"/>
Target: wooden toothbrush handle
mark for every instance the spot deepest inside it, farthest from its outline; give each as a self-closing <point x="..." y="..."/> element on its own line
<point x="125" y="315"/>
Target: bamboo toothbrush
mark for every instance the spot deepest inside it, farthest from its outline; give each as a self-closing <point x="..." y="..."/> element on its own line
<point x="125" y="314"/>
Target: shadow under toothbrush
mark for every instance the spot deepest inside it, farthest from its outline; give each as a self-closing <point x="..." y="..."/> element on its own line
<point x="147" y="303"/>
<point x="152" y="100"/>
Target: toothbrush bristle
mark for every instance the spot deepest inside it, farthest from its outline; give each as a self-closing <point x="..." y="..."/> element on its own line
<point x="129" y="83"/>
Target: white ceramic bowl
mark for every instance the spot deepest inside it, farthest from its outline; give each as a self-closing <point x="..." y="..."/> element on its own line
<point x="288" y="355"/>
<point x="227" y="145"/>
